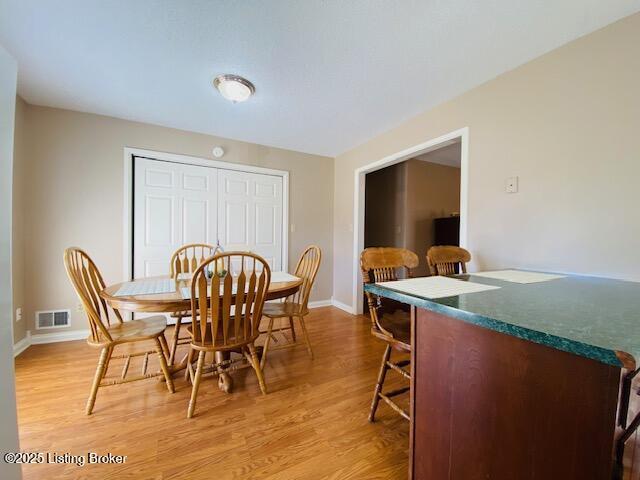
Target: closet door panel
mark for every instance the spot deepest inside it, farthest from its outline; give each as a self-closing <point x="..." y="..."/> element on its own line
<point x="176" y="203"/>
<point x="173" y="204"/>
<point x="250" y="214"/>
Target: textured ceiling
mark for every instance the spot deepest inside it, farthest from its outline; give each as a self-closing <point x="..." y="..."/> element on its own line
<point x="451" y="155"/>
<point x="329" y="74"/>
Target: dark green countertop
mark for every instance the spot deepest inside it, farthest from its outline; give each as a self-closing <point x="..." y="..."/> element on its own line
<point x="593" y="317"/>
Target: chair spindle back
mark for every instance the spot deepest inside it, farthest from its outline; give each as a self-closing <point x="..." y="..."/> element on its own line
<point x="307" y="269"/>
<point x="189" y="257"/>
<point x="444" y="260"/>
<point x="239" y="280"/>
<point x="382" y="264"/>
<point x="88" y="282"/>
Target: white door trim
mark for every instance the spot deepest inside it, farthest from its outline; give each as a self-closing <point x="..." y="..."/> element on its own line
<point x="127" y="229"/>
<point x="359" y="189"/>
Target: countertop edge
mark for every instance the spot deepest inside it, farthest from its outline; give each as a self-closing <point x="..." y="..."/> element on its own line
<point x="600" y="354"/>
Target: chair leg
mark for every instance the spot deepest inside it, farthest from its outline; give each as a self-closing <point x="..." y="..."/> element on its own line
<point x="163" y="366"/>
<point x="306" y="336"/>
<point x="102" y="361"/>
<point x="106" y="363"/>
<point x="253" y="358"/>
<point x="174" y="341"/>
<point x="196" y="384"/>
<point x="265" y="347"/>
<point x="381" y="377"/>
<point x="165" y="346"/>
<point x="293" y="329"/>
<point x="188" y="372"/>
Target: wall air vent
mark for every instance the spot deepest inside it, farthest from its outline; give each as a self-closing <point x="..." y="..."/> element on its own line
<point x="52" y="319"/>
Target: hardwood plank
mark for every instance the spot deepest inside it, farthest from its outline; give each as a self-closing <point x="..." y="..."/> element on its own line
<point x="312" y="424"/>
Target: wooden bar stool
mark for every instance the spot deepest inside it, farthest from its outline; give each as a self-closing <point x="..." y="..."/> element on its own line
<point x="382" y="264"/>
<point x="186" y="260"/>
<point x="105" y="335"/>
<point x="447" y="260"/>
<point x="295" y="306"/>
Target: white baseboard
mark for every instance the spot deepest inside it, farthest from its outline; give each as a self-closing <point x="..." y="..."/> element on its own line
<point x="342" y="306"/>
<point x="41" y="338"/>
<point x="320" y="303"/>
<point x="21" y="345"/>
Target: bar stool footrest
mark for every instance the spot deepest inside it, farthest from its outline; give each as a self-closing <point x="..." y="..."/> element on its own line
<point x="393" y="404"/>
<point x="397" y="367"/>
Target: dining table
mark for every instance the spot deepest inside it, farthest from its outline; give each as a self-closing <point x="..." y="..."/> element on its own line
<point x="176" y="301"/>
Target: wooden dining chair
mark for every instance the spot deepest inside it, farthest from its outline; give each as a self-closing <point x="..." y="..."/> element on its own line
<point x="185" y="260"/>
<point x="226" y="313"/>
<point x="107" y="335"/>
<point x="294" y="306"/>
<point x="383" y="264"/>
<point x="447" y="260"/>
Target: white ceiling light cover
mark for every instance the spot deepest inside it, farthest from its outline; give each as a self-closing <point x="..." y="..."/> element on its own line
<point x="234" y="87"/>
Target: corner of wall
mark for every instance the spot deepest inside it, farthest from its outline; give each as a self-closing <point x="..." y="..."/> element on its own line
<point x="20" y="158"/>
<point x="9" y="441"/>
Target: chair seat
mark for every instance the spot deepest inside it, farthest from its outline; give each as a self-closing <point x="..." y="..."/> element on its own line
<point x="144" y="328"/>
<point x="398" y="324"/>
<point x="283" y="309"/>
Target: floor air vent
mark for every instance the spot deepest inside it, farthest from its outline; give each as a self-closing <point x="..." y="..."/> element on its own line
<point x="52" y="319"/>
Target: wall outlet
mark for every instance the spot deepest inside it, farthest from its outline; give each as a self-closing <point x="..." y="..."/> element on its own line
<point x="512" y="185"/>
<point x="293" y="228"/>
<point x="18" y="314"/>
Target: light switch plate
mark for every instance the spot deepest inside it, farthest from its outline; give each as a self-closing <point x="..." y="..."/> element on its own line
<point x="18" y="314"/>
<point x="512" y="185"/>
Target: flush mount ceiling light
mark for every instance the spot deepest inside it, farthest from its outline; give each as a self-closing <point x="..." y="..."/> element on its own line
<point x="233" y="87"/>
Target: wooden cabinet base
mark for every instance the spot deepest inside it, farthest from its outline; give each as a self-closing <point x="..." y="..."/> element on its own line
<point x="486" y="405"/>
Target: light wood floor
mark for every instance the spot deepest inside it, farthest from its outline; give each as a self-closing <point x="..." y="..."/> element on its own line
<point x="311" y="425"/>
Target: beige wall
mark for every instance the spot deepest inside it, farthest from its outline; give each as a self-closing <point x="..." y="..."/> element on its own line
<point x="567" y="124"/>
<point x="19" y="191"/>
<point x="74" y="173"/>
<point x="432" y="191"/>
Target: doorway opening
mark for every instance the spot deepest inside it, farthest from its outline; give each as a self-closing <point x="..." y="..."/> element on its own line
<point x="415" y="204"/>
<point x="414" y="199"/>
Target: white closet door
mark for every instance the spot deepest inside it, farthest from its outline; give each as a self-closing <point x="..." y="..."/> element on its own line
<point x="174" y="204"/>
<point x="250" y="214"/>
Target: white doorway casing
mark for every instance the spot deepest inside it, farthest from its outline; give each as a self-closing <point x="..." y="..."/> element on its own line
<point x="461" y="135"/>
<point x="225" y="169"/>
